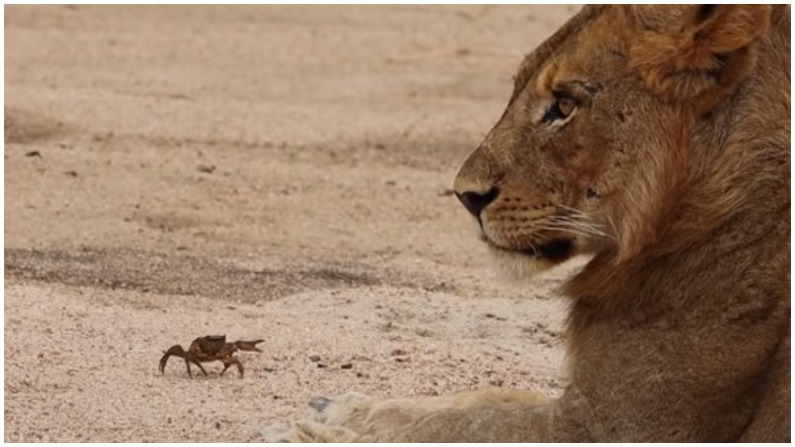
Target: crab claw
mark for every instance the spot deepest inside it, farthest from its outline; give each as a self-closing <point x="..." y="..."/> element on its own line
<point x="248" y="345"/>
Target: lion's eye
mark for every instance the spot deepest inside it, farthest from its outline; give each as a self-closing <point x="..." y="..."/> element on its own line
<point x="561" y="109"/>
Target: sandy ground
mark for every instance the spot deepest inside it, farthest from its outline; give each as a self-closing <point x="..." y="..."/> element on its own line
<point x="261" y="172"/>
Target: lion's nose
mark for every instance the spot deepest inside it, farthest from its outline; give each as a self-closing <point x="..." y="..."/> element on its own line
<point x="475" y="202"/>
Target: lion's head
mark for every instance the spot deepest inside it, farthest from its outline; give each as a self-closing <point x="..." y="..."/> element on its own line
<point x="593" y="148"/>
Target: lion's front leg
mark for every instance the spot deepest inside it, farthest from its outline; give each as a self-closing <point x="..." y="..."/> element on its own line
<point x="354" y="416"/>
<point x="532" y="424"/>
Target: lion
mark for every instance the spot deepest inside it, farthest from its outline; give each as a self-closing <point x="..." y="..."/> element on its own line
<point x="654" y="139"/>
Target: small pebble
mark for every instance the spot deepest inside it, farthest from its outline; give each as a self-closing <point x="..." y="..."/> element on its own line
<point x="207" y="169"/>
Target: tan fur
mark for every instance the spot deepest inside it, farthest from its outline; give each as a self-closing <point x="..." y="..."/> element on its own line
<point x="674" y="174"/>
<point x="348" y="417"/>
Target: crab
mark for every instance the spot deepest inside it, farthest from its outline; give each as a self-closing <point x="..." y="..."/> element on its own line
<point x="210" y="348"/>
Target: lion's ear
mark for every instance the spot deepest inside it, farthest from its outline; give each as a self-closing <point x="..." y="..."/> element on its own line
<point x="690" y="51"/>
<point x="721" y="29"/>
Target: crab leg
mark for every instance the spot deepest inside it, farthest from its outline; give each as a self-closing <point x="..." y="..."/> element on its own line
<point x="200" y="366"/>
<point x="239" y="366"/>
<point x="174" y="350"/>
<point x="229" y="361"/>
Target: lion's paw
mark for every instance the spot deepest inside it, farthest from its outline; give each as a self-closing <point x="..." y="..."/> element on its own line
<point x="342" y="410"/>
<point x="329" y="419"/>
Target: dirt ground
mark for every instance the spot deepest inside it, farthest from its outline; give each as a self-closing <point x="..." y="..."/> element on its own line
<point x="262" y="172"/>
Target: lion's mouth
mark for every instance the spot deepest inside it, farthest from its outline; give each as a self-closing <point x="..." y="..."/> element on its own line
<point x="556" y="250"/>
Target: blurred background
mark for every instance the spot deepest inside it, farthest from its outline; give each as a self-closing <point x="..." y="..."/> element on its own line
<point x="262" y="171"/>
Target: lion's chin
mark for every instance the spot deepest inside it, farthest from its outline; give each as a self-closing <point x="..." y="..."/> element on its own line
<point x="525" y="264"/>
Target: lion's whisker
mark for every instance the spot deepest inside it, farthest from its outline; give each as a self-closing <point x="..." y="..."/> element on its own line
<point x="584" y="228"/>
<point x="565" y="230"/>
<point x="587" y="226"/>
